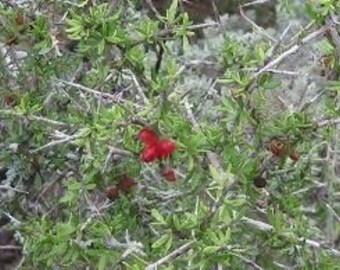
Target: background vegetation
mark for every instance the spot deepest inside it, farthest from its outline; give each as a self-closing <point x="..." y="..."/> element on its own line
<point x="253" y="179"/>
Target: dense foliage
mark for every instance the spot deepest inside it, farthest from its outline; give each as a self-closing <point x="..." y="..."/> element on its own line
<point x="127" y="144"/>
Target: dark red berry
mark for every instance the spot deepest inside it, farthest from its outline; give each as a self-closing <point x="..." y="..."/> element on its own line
<point x="126" y="184"/>
<point x="112" y="193"/>
<point x="168" y="174"/>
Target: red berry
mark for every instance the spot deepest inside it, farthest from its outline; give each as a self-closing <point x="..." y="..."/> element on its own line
<point x="294" y="156"/>
<point x="166" y="148"/>
<point x="126" y="184"/>
<point x="147" y="136"/>
<point x="154" y="147"/>
<point x="150" y="153"/>
<point x="112" y="193"/>
<point x="276" y="147"/>
<point x="168" y="174"/>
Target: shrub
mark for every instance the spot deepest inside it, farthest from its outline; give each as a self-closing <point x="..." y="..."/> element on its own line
<point x="126" y="146"/>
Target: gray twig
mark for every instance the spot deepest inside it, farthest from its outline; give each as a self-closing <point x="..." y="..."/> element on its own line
<point x="6" y="187"/>
<point x="177" y="252"/>
<point x="290" y="51"/>
<point x="32" y="117"/>
<point x="262" y="226"/>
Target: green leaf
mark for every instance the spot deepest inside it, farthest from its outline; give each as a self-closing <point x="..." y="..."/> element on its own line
<point x="171" y="12"/>
<point x="83" y="4"/>
<point x="333" y="86"/>
<point x="224" y="215"/>
<point x="210" y="250"/>
<point x="156" y="215"/>
<point x="163" y="241"/>
<point x="74" y="185"/>
<point x="101" y="47"/>
<point x="64" y="229"/>
<point x="102" y="263"/>
<point x="176" y="222"/>
<point x="190" y="221"/>
<point x="185" y="42"/>
<point x="70" y="258"/>
<point x="168" y="244"/>
<point x="216" y="175"/>
<point x="68" y="197"/>
<point x="212" y="236"/>
<point x="272" y="84"/>
<point x="58" y="249"/>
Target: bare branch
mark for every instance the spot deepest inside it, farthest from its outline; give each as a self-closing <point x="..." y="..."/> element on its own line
<point x="311" y="243"/>
<point x="10" y="247"/>
<point x="32" y="117"/>
<point x="177" y="252"/>
<point x="7" y="187"/>
<point x="256" y="27"/>
<point x="64" y="140"/>
<point x="139" y="88"/>
<point x="248" y="261"/>
<point x="290" y="51"/>
<point x="114" y="99"/>
<point x="328" y="122"/>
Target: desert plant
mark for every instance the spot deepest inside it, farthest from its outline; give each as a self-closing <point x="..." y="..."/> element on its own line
<point x="125" y="146"/>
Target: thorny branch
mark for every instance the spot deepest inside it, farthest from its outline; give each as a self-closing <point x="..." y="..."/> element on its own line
<point x="290" y="51"/>
<point x="32" y="117"/>
<point x="7" y="187"/>
<point x="95" y="92"/>
<point x="66" y="139"/>
<point x="176" y="253"/>
<point x="247" y="261"/>
<point x="262" y="226"/>
<point x="256" y="27"/>
<point x="10" y="247"/>
<point x="330" y="22"/>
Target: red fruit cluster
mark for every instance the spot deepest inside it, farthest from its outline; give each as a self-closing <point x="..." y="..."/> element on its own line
<point x="155" y="148"/>
<point x="168" y="174"/>
<point x="124" y="185"/>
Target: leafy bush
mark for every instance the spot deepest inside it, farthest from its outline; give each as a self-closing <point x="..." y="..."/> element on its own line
<point x="233" y="170"/>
